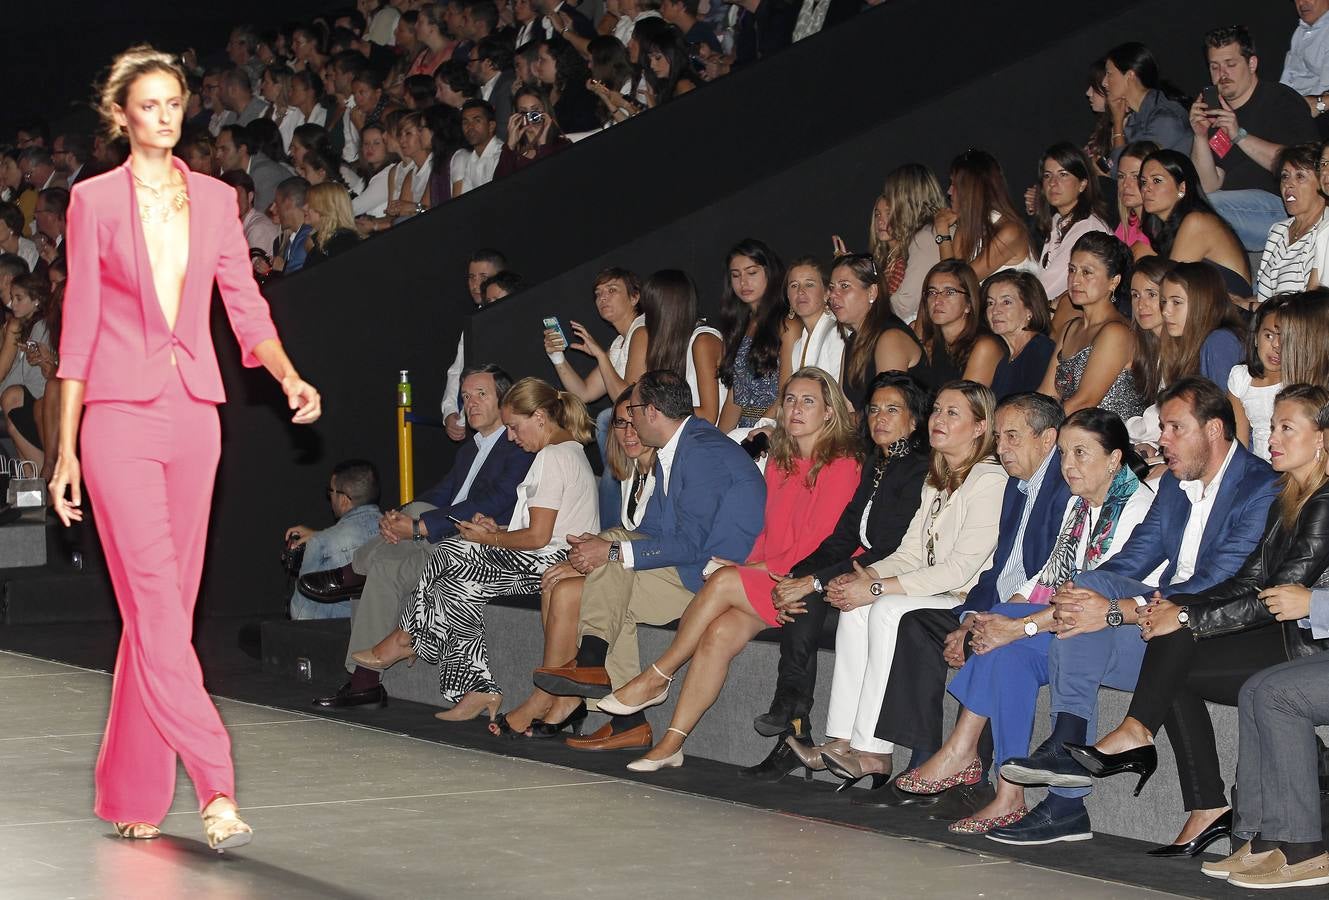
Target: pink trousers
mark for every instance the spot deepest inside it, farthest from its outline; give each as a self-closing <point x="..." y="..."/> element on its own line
<point x="149" y="469"/>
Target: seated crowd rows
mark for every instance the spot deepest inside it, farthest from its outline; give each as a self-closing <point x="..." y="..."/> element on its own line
<point x="985" y="458"/>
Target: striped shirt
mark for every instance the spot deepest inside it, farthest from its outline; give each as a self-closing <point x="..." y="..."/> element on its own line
<point x="1287" y="266"/>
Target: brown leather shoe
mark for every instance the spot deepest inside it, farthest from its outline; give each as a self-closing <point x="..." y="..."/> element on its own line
<point x="604" y="738"/>
<point x="573" y="681"/>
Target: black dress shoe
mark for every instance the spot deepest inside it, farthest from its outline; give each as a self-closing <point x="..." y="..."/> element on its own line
<point x="891" y="797"/>
<point x="779" y="762"/>
<point x="961" y="802"/>
<point x="332" y="585"/>
<point x="1219" y="828"/>
<point x="376" y="697"/>
<point x="1140" y="760"/>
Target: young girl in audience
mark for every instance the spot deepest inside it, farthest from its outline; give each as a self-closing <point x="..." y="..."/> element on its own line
<point x="949" y="543"/>
<point x="1298" y="247"/>
<point x="1017" y="313"/>
<point x="28" y="362"/>
<point x="632" y="465"/>
<point x="812" y="472"/>
<point x="981" y="226"/>
<point x="880" y="340"/>
<point x="1130" y="203"/>
<point x="1094" y="351"/>
<point x="444" y="623"/>
<point x="902" y="241"/>
<point x="1147" y="324"/>
<point x="1068" y="207"/>
<point x="751" y="319"/>
<point x="1227" y="634"/>
<point x="328" y="214"/>
<point x="1252" y="387"/>
<point x="816" y="337"/>
<point x="1000" y="682"/>
<point x="1201" y="328"/>
<point x="1182" y="226"/>
<point x="951" y="327"/>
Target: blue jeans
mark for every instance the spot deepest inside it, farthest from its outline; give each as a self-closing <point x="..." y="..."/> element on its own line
<point x="304" y="608"/>
<point x="1251" y="213"/>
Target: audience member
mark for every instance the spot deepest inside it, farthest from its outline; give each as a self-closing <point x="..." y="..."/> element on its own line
<point x="236" y="151"/>
<point x="14" y="187"/>
<point x="1297" y="250"/>
<point x="275" y="88"/>
<point x="494" y="75"/>
<point x="434" y="46"/>
<point x="28" y="361"/>
<point x="561" y="71"/>
<point x="904" y="244"/>
<point x="1253" y="387"/>
<point x="199" y="153"/>
<point x="816" y="337"/>
<point x="240" y="49"/>
<point x="1238" y="137"/>
<point x="1017" y="313"/>
<point x="532" y="133"/>
<point x="408" y="186"/>
<point x="752" y="311"/>
<point x="353" y="492"/>
<point x="498" y="286"/>
<point x="70" y="152"/>
<point x="1306" y="67"/>
<point x="1147" y="327"/>
<point x="289" y="206"/>
<point x="484" y="263"/>
<point x="1068" y="207"/>
<point x="668" y="71"/>
<point x="483" y="481"/>
<point x="1130" y="203"/>
<point x="261" y="233"/>
<point x="874" y="521"/>
<point x="879" y="341"/>
<point x="370" y="204"/>
<point x="38" y="168"/>
<point x="11" y="235"/>
<point x="1202" y="332"/>
<point x="237" y="95"/>
<point x="1140" y="109"/>
<point x="1303" y="321"/>
<point x="981" y="226"/>
<point x="48" y="223"/>
<point x="331" y="224"/>
<point x="950" y="327"/>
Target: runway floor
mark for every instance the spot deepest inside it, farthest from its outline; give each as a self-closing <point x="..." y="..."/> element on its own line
<point x="346" y="811"/>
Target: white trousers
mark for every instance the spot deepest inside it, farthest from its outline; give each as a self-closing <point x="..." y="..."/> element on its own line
<point x="864" y="651"/>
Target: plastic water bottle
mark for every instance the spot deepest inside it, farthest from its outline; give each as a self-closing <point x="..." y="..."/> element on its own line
<point x="404" y="389"/>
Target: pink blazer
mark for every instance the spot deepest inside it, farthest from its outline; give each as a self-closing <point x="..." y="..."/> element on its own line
<point x="114" y="335"/>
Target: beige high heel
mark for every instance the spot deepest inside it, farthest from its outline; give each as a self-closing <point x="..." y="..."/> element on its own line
<point x="137" y="831"/>
<point x="224" y="829"/>
<point x="672" y="761"/>
<point x="470" y="706"/>
<point x="371" y="660"/>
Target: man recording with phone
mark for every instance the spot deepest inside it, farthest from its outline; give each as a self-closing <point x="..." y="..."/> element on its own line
<point x="1241" y="123"/>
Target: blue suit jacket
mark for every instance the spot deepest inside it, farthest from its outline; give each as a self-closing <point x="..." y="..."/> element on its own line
<point x="715" y="506"/>
<point x="1040" y="533"/>
<point x="494" y="491"/>
<point x="1235" y="526"/>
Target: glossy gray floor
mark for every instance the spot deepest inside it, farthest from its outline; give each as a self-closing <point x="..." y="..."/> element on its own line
<point x="346" y="812"/>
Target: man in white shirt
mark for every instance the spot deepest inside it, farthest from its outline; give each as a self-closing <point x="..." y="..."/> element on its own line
<point x="260" y="232"/>
<point x="473" y="167"/>
<point x="1306" y="67"/>
<point x="1208" y="515"/>
<point x="483" y="265"/>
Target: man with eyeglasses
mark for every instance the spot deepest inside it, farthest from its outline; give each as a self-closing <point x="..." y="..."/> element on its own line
<point x="708" y="505"/>
<point x="70" y="153"/>
<point x="353" y="493"/>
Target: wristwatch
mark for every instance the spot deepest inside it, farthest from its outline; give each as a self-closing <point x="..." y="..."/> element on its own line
<point x="817" y="585"/>
<point x="1184" y="616"/>
<point x="875" y="589"/>
<point x="1114" y="616"/>
<point x="415" y="532"/>
<point x="1241" y="135"/>
<point x="1030" y="627"/>
<point x="1319" y="105"/>
<point x="943" y="238"/>
<point x="615" y="551"/>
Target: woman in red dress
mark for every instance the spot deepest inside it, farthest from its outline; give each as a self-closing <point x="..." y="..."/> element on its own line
<point x="146" y="241"/>
<point x="811" y="473"/>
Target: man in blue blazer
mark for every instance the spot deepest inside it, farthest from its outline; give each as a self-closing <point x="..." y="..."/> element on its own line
<point x="483" y="479"/>
<point x="709" y="502"/>
<point x="1031" y="513"/>
<point x="1209" y="514"/>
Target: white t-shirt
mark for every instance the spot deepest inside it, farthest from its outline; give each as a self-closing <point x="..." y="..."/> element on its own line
<point x="1258" y="403"/>
<point x="560" y="478"/>
<point x="691" y="373"/>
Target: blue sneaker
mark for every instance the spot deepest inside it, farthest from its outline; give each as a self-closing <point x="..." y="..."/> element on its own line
<point x="1050" y="765"/>
<point x="1040" y="827"/>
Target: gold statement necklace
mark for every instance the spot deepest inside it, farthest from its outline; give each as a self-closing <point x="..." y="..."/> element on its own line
<point x="159" y="209"/>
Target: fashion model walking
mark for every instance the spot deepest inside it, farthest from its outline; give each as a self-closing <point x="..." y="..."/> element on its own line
<point x="146" y="242"/>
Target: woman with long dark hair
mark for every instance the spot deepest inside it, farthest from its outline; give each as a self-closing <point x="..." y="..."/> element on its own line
<point x="666" y="66"/>
<point x="1130" y="204"/>
<point x="1140" y="108"/>
<point x="1202" y="331"/>
<point x="981" y="226"/>
<point x="1068" y="207"/>
<point x="952" y="329"/>
<point x="151" y="438"/>
<point x="880" y="341"/>
<point x="752" y="313"/>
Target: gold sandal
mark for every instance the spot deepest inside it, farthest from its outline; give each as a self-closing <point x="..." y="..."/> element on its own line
<point x="137" y="831"/>
<point x="225" y="830"/>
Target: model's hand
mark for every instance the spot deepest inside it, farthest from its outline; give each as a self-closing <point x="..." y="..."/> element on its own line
<point x="456" y="428"/>
<point x="69" y="475"/>
<point x="301" y="397"/>
<point x="299" y="535"/>
<point x="952" y="649"/>
<point x="1287" y="602"/>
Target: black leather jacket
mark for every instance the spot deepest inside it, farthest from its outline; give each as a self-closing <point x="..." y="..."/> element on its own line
<point x="1301" y="557"/>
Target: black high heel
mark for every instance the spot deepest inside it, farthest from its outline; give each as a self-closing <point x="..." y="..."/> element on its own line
<point x="543" y="730"/>
<point x="1140" y="760"/>
<point x="1218" y="828"/>
<point x="782" y="760"/>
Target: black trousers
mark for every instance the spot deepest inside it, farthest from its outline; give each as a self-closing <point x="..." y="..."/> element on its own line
<point x="911" y="713"/>
<point x="799" y="641"/>
<point x="1177" y="676"/>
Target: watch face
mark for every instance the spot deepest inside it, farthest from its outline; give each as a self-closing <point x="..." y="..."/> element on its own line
<point x="1115" y="619"/>
<point x="1183" y="617"/>
<point x="876" y="589"/>
<point x="1030" y="629"/>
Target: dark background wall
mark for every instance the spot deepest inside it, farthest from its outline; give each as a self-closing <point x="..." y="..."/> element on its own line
<point x="791" y="151"/>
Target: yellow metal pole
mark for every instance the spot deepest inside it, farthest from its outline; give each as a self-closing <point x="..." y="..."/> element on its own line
<point x="405" y="444"/>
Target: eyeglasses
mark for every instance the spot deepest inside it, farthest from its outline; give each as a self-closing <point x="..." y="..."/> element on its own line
<point x="328" y="492"/>
<point x="631" y="406"/>
<point x="1321" y="164"/>
<point x="947" y="292"/>
<point x="621" y="424"/>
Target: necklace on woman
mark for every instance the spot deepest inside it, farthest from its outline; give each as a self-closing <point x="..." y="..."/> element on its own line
<point x="160" y="210"/>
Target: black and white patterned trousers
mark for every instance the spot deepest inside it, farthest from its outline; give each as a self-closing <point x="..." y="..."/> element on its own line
<point x="446" y="621"/>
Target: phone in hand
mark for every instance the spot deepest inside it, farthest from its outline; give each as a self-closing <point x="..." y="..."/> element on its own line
<point x="1210" y="97"/>
<point x="551" y="324"/>
<point x="455" y="519"/>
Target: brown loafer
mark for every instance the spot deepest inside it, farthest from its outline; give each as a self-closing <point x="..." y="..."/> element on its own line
<point x="604" y="738"/>
<point x="573" y="681"/>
